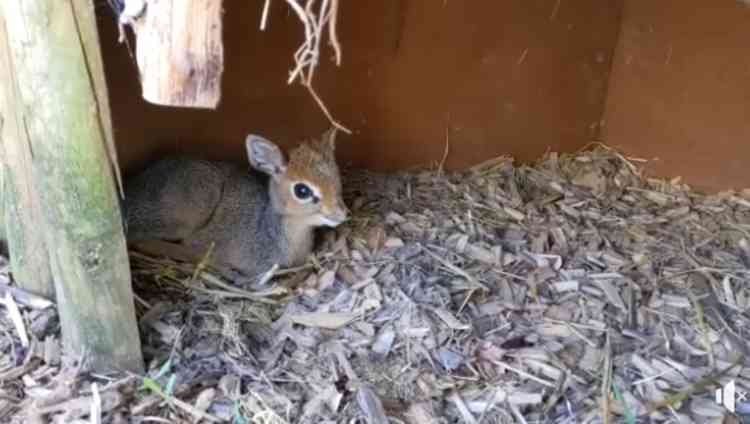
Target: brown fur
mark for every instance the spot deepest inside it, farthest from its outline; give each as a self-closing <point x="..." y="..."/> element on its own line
<point x="254" y="224"/>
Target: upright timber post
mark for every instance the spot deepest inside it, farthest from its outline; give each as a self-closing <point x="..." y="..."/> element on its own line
<point x="3" y="235"/>
<point x="20" y="211"/>
<point x="54" y="49"/>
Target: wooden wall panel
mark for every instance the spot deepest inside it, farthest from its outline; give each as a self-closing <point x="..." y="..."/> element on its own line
<point x="680" y="90"/>
<point x="498" y="76"/>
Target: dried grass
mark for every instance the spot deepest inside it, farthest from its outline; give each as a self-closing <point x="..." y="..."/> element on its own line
<point x="574" y="290"/>
<point x="315" y="17"/>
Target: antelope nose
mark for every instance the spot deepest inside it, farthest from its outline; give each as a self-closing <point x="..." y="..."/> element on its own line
<point x="338" y="214"/>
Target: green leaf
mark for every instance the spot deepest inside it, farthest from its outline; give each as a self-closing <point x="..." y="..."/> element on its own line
<point x="170" y="385"/>
<point x="164" y="368"/>
<point x="238" y="418"/>
<point x="629" y="417"/>
<point x="152" y="385"/>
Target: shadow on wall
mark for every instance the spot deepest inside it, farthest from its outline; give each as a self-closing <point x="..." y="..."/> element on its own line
<point x="492" y="77"/>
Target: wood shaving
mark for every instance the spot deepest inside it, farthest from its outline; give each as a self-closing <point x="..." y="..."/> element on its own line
<point x="571" y="290"/>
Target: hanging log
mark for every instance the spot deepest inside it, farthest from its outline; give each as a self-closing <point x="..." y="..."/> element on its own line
<point x="20" y="210"/>
<point x="54" y="49"/>
<point x="179" y="50"/>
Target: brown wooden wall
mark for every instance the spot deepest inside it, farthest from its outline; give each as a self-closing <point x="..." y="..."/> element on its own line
<point x="680" y="90"/>
<point x="499" y="76"/>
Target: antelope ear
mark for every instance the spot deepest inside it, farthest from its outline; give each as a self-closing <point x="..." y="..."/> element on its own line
<point x="265" y="155"/>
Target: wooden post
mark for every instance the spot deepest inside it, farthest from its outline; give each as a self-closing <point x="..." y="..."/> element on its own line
<point x="21" y="213"/>
<point x="180" y="52"/>
<point x="54" y="48"/>
<point x="3" y="236"/>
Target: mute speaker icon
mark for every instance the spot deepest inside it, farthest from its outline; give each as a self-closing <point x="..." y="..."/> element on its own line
<point x="726" y="396"/>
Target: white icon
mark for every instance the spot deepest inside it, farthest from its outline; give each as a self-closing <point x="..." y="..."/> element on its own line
<point x="735" y="400"/>
<point x="726" y="396"/>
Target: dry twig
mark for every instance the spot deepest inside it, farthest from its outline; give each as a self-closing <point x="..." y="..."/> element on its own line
<point x="307" y="56"/>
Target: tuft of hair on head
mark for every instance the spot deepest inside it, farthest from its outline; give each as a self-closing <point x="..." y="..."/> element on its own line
<point x="326" y="144"/>
<point x="329" y="139"/>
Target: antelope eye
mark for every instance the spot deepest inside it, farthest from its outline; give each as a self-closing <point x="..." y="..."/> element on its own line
<point x="302" y="191"/>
